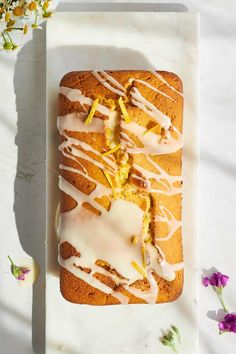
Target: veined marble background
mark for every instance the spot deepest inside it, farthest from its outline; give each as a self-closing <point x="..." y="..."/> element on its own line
<point x="217" y="192"/>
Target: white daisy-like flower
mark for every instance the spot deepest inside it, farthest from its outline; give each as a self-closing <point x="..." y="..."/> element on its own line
<point x="17" y="17"/>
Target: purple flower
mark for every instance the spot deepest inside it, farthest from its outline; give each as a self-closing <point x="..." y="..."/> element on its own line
<point x="17" y="272"/>
<point x="228" y="324"/>
<point x="217" y="280"/>
<point x="22" y="275"/>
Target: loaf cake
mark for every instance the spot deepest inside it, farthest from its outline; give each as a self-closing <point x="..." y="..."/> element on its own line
<point x="120" y="181"/>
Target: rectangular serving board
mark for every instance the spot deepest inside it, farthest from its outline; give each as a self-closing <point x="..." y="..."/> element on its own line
<point x="127" y="40"/>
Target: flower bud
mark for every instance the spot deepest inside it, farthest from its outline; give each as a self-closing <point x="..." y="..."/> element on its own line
<point x="47" y="14"/>
<point x="45" y="5"/>
<point x="25" y="29"/>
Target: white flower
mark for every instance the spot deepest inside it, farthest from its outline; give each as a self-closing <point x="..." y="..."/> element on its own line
<point x="3" y="25"/>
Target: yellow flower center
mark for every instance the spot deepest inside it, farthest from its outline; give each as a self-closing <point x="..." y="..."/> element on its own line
<point x="18" y="11"/>
<point x="32" y="6"/>
<point x="7" y="16"/>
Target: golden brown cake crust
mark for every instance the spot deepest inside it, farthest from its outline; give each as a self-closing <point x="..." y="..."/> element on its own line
<point x="73" y="288"/>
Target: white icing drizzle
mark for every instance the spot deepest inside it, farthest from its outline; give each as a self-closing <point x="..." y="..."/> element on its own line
<point x="153" y="144"/>
<point x="64" y="124"/>
<point x="161" y="176"/>
<point x="76" y="95"/>
<point x="150" y="296"/>
<point x="72" y="265"/>
<point x="80" y="197"/>
<point x="159" y="76"/>
<point x="105" y="237"/>
<point x="153" y="88"/>
<point x="75" y="122"/>
<point x="149" y="108"/>
<point x="71" y="142"/>
<point x="172" y="223"/>
<point x="107" y="85"/>
<point x="163" y="268"/>
<point x="113" y="81"/>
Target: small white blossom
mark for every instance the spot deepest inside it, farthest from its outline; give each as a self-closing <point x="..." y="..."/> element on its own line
<point x="20" y="24"/>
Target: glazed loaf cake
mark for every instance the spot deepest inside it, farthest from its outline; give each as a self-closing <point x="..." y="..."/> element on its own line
<point x="121" y="182"/>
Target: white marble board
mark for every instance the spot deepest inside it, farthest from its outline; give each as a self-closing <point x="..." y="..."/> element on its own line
<point x="86" y="41"/>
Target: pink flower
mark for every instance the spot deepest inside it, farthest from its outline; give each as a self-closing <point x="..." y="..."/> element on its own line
<point x="228" y="324"/>
<point x="217" y="280"/>
<point x="17" y="272"/>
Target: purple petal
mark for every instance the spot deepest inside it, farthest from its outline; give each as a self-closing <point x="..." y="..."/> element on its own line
<point x="233" y="328"/>
<point x="224" y="280"/>
<point x="230" y="317"/>
<point x="205" y="281"/>
<point x="25" y="271"/>
<point x="221" y="326"/>
<point x="219" y="280"/>
<point x="214" y="279"/>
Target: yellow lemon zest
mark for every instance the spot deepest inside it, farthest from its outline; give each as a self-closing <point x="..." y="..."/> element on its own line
<point x="124" y="111"/>
<point x="139" y="269"/>
<point x="143" y="255"/>
<point x="92" y="112"/>
<point x="108" y="177"/>
<point x="102" y="263"/>
<point x="117" y="147"/>
<point x="149" y="130"/>
<point x="134" y="239"/>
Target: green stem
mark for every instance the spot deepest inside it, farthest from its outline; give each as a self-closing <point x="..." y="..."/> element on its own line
<point x="16" y="28"/>
<point x="220" y="297"/>
<point x="12" y="263"/>
<point x="36" y="17"/>
<point x="222" y="303"/>
<point x="172" y="346"/>
<point x="10" y="38"/>
<point x="5" y="41"/>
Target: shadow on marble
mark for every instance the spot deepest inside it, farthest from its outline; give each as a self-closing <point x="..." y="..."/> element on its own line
<point x="220" y="164"/>
<point x="216" y="315"/>
<point x="122" y="7"/>
<point x="208" y="272"/>
<point x="12" y="339"/>
<point x="29" y="186"/>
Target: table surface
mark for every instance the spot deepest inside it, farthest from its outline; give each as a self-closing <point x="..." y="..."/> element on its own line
<point x="22" y="206"/>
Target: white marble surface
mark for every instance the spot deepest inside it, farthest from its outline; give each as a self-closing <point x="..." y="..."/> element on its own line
<point x="123" y="41"/>
<point x="217" y="192"/>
